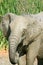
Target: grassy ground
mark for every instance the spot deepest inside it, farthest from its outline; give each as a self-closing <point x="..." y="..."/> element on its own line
<point x="18" y="7"/>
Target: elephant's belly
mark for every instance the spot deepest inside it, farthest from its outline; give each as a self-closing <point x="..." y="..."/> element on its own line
<point x="40" y="54"/>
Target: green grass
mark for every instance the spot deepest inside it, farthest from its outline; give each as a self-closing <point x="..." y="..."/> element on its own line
<point x="19" y="7"/>
<point x="3" y="41"/>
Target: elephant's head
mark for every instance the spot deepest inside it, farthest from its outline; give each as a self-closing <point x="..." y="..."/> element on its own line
<point x="5" y="20"/>
<point x="18" y="31"/>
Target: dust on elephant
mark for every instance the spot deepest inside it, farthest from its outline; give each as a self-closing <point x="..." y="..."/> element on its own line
<point x="28" y="30"/>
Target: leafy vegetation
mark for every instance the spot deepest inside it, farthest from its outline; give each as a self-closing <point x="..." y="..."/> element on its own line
<point x="19" y="7"/>
<point x="3" y="41"/>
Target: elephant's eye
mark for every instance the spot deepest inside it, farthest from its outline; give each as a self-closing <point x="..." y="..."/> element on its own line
<point x="23" y="34"/>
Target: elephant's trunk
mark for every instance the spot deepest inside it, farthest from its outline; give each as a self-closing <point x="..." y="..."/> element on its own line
<point x="14" y="41"/>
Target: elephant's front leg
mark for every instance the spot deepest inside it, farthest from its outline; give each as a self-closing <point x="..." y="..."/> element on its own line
<point x="32" y="51"/>
<point x="22" y="60"/>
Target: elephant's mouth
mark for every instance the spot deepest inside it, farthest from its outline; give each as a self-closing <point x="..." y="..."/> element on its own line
<point x="21" y="49"/>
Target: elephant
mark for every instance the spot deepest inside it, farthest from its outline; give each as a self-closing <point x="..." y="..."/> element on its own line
<point x="25" y="38"/>
<point x="28" y="30"/>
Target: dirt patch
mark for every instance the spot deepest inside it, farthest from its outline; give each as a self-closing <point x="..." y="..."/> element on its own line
<point x="4" y="52"/>
<point x="4" y="57"/>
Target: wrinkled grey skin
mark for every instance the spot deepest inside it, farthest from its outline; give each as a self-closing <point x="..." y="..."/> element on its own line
<point x="28" y="28"/>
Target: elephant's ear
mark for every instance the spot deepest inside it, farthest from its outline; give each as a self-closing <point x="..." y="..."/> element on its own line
<point x="6" y="20"/>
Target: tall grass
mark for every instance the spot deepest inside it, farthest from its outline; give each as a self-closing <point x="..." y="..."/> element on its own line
<point x="19" y="7"/>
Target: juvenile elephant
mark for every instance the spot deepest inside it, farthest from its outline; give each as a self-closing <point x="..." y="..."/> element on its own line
<point x="27" y="30"/>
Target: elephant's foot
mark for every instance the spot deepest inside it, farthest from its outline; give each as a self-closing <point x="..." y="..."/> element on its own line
<point x="36" y="61"/>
